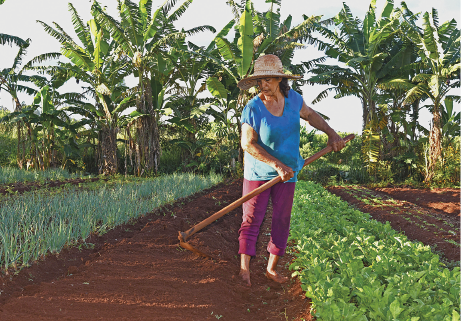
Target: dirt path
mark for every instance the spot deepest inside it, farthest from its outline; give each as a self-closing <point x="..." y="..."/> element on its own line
<point x="428" y="216"/>
<point x="138" y="272"/>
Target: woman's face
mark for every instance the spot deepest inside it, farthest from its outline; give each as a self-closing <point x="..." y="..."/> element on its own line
<point x="269" y="86"/>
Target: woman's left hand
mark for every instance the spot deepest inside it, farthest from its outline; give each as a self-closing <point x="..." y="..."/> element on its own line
<point x="335" y="141"/>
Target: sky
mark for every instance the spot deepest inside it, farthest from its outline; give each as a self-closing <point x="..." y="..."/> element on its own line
<point x="18" y="18"/>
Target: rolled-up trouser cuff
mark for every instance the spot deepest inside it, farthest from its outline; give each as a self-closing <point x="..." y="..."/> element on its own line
<point x="247" y="247"/>
<point x="273" y="249"/>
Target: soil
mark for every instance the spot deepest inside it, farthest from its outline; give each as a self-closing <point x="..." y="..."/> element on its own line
<point x="138" y="271"/>
<point x="430" y="216"/>
<point x="22" y="187"/>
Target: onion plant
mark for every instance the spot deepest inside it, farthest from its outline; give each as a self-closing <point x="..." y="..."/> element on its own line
<point x="34" y="225"/>
<point x="13" y="175"/>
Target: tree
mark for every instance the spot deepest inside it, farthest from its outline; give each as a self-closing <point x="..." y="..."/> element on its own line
<point x="49" y="130"/>
<point x="144" y="36"/>
<point x="96" y="63"/>
<point x="12" y="81"/>
<point x="361" y="47"/>
<point x="439" y="66"/>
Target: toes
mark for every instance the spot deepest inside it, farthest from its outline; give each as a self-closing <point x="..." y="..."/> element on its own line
<point x="245" y="278"/>
<point x="276" y="277"/>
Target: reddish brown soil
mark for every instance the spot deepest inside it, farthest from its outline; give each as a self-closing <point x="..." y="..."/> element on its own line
<point x="430" y="216"/>
<point x="138" y="272"/>
<point x="22" y="187"/>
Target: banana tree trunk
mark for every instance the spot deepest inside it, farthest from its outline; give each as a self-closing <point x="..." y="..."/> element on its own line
<point x="435" y="144"/>
<point x="20" y="153"/>
<point x="364" y="114"/>
<point x="148" y="140"/>
<point x="108" y="160"/>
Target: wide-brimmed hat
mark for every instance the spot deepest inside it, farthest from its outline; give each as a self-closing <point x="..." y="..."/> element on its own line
<point x="265" y="66"/>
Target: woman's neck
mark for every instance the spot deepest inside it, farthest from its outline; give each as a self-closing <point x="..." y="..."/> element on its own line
<point x="275" y="104"/>
<point x="274" y="98"/>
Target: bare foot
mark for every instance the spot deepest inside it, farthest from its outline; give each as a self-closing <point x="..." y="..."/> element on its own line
<point x="276" y="277"/>
<point x="245" y="275"/>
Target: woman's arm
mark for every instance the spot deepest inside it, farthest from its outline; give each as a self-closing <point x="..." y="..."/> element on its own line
<point x="315" y="120"/>
<point x="251" y="146"/>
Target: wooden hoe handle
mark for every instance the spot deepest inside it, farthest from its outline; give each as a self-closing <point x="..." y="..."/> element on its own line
<point x="194" y="229"/>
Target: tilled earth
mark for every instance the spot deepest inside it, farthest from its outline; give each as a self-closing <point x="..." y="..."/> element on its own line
<point x="139" y="272"/>
<point x="430" y="216"/>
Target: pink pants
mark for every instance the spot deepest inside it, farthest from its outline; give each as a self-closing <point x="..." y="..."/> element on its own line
<point x="253" y="215"/>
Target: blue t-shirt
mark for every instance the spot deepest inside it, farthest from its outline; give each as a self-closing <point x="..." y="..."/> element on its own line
<point x="279" y="136"/>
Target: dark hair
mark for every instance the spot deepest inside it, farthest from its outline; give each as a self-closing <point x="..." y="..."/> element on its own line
<point x="284" y="87"/>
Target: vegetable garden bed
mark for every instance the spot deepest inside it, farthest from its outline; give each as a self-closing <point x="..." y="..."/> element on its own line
<point x="138" y="271"/>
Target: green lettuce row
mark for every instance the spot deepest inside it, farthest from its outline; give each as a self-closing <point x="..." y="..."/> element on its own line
<point x="355" y="268"/>
<point x="34" y="224"/>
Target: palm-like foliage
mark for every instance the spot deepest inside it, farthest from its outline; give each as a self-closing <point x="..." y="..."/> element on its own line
<point x="439" y="66"/>
<point x="96" y="63"/>
<point x="360" y="46"/>
<point x="50" y="131"/>
<point x="10" y="40"/>
<point x="14" y="81"/>
<point x="144" y="36"/>
<point x="260" y="33"/>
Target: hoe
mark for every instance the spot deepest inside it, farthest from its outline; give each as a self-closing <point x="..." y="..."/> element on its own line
<point x="194" y="229"/>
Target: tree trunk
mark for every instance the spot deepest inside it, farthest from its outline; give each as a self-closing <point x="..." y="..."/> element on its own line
<point x="108" y="160"/>
<point x="148" y="138"/>
<point x="20" y="154"/>
<point x="435" y="144"/>
<point x="414" y="119"/>
<point x="364" y="114"/>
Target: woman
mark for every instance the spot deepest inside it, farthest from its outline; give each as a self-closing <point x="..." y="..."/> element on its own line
<point x="270" y="139"/>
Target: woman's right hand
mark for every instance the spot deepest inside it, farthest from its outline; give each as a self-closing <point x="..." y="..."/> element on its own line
<point x="285" y="172"/>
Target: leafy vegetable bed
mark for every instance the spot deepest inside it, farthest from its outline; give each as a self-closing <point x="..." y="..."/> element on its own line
<point x="354" y="268"/>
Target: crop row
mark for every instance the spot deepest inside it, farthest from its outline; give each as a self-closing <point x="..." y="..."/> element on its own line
<point x="355" y="268"/>
<point x="414" y="216"/>
<point x="34" y="224"/>
<point x="10" y="175"/>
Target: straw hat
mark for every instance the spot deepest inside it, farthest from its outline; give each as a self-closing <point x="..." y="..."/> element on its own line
<point x="265" y="66"/>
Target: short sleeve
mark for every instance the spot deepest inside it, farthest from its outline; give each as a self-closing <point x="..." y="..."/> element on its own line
<point x="251" y="117"/>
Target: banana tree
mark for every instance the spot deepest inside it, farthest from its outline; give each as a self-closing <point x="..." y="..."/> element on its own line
<point x="142" y="35"/>
<point x="439" y="66"/>
<point x="50" y="132"/>
<point x="14" y="81"/>
<point x="96" y="62"/>
<point x="361" y="47"/>
<point x="257" y="34"/>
